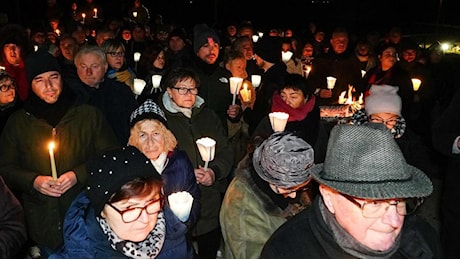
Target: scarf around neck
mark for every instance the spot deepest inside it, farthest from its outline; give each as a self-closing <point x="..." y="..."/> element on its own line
<point x="295" y="114"/>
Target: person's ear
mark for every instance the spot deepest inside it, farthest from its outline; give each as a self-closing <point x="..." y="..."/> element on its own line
<point x="328" y="197"/>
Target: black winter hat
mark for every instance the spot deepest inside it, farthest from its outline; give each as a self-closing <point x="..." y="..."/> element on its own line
<point x="147" y="110"/>
<point x="109" y="172"/>
<point x="40" y="62"/>
<point x="269" y="49"/>
<point x="202" y="33"/>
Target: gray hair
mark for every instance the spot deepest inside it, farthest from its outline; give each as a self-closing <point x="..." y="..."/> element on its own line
<point x="91" y="49"/>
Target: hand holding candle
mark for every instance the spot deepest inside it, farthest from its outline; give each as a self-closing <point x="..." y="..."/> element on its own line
<point x="207" y="148"/>
<point x="235" y="84"/>
<point x="53" y="162"/>
<point x="181" y="204"/>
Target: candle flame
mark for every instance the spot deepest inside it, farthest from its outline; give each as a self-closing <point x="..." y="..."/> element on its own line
<point x="51" y="146"/>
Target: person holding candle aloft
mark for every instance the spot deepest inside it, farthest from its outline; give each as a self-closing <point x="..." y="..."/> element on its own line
<point x="190" y="119"/>
<point x="79" y="132"/>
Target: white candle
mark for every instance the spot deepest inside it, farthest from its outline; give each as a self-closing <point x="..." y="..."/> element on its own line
<point x="255" y="80"/>
<point x="83" y="15"/>
<point x="245" y="93"/>
<point x="416" y="83"/>
<point x="95" y="13"/>
<point x="58" y="32"/>
<point x="235" y="84"/>
<point x="207" y="149"/>
<point x="278" y="120"/>
<point x="286" y="55"/>
<point x="255" y="38"/>
<point x="156" y="80"/>
<point x="363" y="73"/>
<point x="137" y="56"/>
<point x="135" y="14"/>
<point x="181" y="204"/>
<point x="53" y="162"/>
<point x="331" y="82"/>
<point x="139" y="85"/>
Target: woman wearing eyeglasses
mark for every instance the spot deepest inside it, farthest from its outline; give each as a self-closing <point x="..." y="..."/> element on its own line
<point x="118" y="67"/>
<point x="189" y="119"/>
<point x="122" y="213"/>
<point x="9" y="99"/>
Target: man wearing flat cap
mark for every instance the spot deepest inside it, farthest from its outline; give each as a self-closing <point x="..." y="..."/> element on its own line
<point x="51" y="113"/>
<point x="368" y="196"/>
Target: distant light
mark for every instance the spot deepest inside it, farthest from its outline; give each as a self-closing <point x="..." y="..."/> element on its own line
<point x="445" y="46"/>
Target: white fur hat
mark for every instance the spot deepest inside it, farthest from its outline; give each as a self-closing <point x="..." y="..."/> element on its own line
<point x="383" y="99"/>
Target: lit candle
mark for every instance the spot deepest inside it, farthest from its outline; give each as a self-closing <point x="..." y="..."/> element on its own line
<point x="235" y="84"/>
<point x="83" y="15"/>
<point x="342" y="98"/>
<point x="306" y="70"/>
<point x="416" y="83"/>
<point x="135" y="14"/>
<point x="255" y="80"/>
<point x="53" y="163"/>
<point x="139" y="85"/>
<point x="207" y="149"/>
<point x="35" y="48"/>
<point x="286" y="55"/>
<point x="95" y="13"/>
<point x="245" y="93"/>
<point x="278" y="120"/>
<point x="58" y="32"/>
<point x="181" y="204"/>
<point x="156" y="80"/>
<point x="331" y="82"/>
<point x="137" y="56"/>
<point x="255" y="38"/>
<point x="363" y="73"/>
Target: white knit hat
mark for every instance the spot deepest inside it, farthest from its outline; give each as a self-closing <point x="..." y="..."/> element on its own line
<point x="383" y="99"/>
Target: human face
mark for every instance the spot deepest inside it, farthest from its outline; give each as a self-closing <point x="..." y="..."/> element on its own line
<point x="247" y="49"/>
<point x="126" y="35"/>
<point x="176" y="43"/>
<point x="339" y="42"/>
<point x="151" y="139"/>
<point x="159" y="62"/>
<point x="68" y="48"/>
<point x="388" y="119"/>
<point x="237" y="67"/>
<point x="12" y="53"/>
<point x="48" y="86"/>
<point x="294" y="98"/>
<point x="388" y="58"/>
<point x="187" y="100"/>
<point x="138" y="229"/>
<point x="8" y="95"/>
<point x="209" y="52"/>
<point x="375" y="233"/>
<point x="409" y="55"/>
<point x="307" y="50"/>
<point x="116" y="58"/>
<point x="91" y="69"/>
<point x="290" y="192"/>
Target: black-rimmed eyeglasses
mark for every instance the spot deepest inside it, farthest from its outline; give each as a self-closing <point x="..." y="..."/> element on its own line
<point x="5" y="88"/>
<point x="116" y="54"/>
<point x="184" y="91"/>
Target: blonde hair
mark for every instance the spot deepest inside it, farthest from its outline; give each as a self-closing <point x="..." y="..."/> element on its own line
<point x="170" y="139"/>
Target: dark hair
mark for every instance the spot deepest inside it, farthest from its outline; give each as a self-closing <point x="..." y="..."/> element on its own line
<point x="232" y="55"/>
<point x="180" y="74"/>
<point x="149" y="55"/>
<point x="138" y="187"/>
<point x="298" y="82"/>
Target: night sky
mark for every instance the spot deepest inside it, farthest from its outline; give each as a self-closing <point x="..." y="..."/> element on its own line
<point x="358" y="15"/>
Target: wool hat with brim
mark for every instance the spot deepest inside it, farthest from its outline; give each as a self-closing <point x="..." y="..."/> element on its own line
<point x="284" y="160"/>
<point x="110" y="171"/>
<point x="365" y="162"/>
<point x="147" y="110"/>
<point x="40" y="62"/>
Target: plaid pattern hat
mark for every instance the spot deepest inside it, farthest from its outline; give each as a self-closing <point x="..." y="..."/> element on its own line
<point x="147" y="110"/>
<point x="113" y="169"/>
<point x="284" y="160"/>
<point x="365" y="162"/>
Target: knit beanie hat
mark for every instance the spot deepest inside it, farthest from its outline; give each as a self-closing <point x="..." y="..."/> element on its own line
<point x="202" y="34"/>
<point x="40" y="62"/>
<point x="269" y="49"/>
<point x="178" y="32"/>
<point x="383" y="98"/>
<point x="147" y="110"/>
<point x="109" y="172"/>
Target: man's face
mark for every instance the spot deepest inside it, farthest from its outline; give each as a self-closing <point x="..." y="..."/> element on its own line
<point x="339" y="43"/>
<point x="12" y="53"/>
<point x="68" y="48"/>
<point x="48" y="86"/>
<point x="209" y="52"/>
<point x="91" y="69"/>
<point x="375" y="233"/>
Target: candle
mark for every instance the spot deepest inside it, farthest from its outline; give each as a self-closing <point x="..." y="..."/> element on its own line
<point x="95" y="13"/>
<point x="156" y="79"/>
<point x="306" y="70"/>
<point x="83" y="15"/>
<point x="245" y="93"/>
<point x="207" y="148"/>
<point x="416" y="83"/>
<point x="137" y="56"/>
<point x="235" y="84"/>
<point x="181" y="204"/>
<point x="286" y="55"/>
<point x="255" y="38"/>
<point x="53" y="163"/>
<point x="342" y="98"/>
<point x="35" y="48"/>
<point x="363" y="73"/>
<point x="139" y="85"/>
<point x="58" y="32"/>
<point x="278" y="120"/>
<point x="255" y="80"/>
<point x="135" y="14"/>
<point x="331" y="82"/>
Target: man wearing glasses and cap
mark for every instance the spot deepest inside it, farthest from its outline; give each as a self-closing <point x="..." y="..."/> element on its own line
<point x="368" y="194"/>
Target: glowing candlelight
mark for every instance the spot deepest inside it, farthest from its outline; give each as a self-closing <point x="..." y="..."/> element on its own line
<point x="53" y="162"/>
<point x="207" y="149"/>
<point x="137" y="56"/>
<point x="235" y="84"/>
<point x="181" y="204"/>
<point x="35" y="48"/>
<point x="306" y="70"/>
<point x="331" y="82"/>
<point x="83" y="15"/>
<point x="156" y="80"/>
<point x="416" y="83"/>
<point x="139" y="85"/>
<point x="363" y="73"/>
<point x="255" y="80"/>
<point x="255" y="38"/>
<point x="278" y="120"/>
<point x="360" y="100"/>
<point x="134" y="14"/>
<point x="342" y="98"/>
<point x="58" y="32"/>
<point x="95" y="13"/>
<point x="245" y="93"/>
<point x="286" y="55"/>
<point x="261" y="34"/>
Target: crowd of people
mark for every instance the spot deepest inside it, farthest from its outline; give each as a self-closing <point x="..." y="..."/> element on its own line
<point x="100" y="117"/>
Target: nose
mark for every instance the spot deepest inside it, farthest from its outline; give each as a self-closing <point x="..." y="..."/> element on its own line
<point x="392" y="217"/>
<point x="291" y="195"/>
<point x="89" y="71"/>
<point x="144" y="217"/>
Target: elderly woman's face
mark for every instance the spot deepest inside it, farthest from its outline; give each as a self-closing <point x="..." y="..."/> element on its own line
<point x="186" y="100"/>
<point x="140" y="228"/>
<point x="388" y="119"/>
<point x="150" y="139"/>
<point x="375" y="233"/>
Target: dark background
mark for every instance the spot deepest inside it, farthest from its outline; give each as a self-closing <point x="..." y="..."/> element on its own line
<point x="415" y="16"/>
